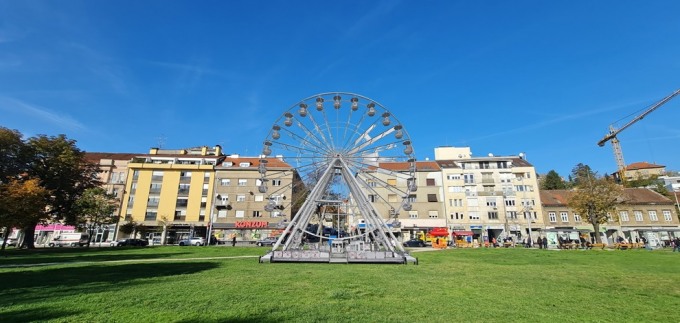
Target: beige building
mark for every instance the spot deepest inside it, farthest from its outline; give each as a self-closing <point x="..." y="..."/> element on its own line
<point x="113" y="168"/>
<point x="387" y="191"/>
<point x="240" y="203"/>
<point x="642" y="213"/>
<point x="489" y="197"/>
<point x="643" y="170"/>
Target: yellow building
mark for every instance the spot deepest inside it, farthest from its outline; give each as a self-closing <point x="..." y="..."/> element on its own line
<point x="168" y="192"/>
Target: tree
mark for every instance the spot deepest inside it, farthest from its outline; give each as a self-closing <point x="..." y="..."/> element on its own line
<point x="13" y="154"/>
<point x="553" y="181"/>
<point x="95" y="208"/>
<point x="579" y="173"/>
<point x="62" y="169"/>
<point x="21" y="202"/>
<point x="594" y="198"/>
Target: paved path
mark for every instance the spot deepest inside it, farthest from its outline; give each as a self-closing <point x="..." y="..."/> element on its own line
<point x="120" y="261"/>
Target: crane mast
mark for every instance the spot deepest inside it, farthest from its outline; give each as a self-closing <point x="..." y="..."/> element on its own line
<point x="616" y="145"/>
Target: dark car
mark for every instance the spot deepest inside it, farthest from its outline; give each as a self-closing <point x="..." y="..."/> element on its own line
<point x="268" y="241"/>
<point x="130" y="242"/>
<point x="414" y="243"/>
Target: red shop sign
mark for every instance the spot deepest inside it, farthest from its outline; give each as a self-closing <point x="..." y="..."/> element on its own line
<point x="251" y="224"/>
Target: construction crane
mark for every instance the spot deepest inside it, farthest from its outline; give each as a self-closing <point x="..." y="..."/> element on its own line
<point x="611" y="136"/>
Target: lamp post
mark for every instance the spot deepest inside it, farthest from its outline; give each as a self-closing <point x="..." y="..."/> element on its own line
<point x="213" y="207"/>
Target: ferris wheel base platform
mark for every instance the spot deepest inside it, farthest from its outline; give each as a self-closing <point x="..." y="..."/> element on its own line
<point x="366" y="257"/>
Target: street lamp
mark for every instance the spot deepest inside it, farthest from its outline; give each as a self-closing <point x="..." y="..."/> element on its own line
<point x="213" y="207"/>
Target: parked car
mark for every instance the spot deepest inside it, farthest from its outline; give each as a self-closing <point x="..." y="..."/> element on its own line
<point x="195" y="241"/>
<point x="414" y="243"/>
<point x="130" y="242"/>
<point x="268" y="241"/>
<point x="11" y="242"/>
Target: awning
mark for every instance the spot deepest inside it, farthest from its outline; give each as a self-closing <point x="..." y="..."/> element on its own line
<point x="439" y="232"/>
<point x="589" y="228"/>
<point x="463" y="233"/>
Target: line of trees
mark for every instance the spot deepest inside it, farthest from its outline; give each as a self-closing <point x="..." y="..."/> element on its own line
<point x="45" y="179"/>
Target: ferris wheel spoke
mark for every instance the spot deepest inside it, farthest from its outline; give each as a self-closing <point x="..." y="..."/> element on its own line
<point x="371" y="141"/>
<point x="310" y="134"/>
<point x="295" y="149"/>
<point x="329" y="129"/>
<point x="320" y="131"/>
<point x="304" y="141"/>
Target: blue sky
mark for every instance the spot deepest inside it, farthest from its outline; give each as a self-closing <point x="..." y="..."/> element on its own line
<point x="541" y="77"/>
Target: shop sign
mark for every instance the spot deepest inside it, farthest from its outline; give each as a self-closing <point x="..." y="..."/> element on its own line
<point x="251" y="224"/>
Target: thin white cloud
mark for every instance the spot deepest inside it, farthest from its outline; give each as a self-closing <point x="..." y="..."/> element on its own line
<point x="16" y="106"/>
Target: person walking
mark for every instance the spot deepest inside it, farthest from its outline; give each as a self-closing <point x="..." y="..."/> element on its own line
<point x="676" y="247"/>
<point x="545" y="242"/>
<point x="539" y="241"/>
<point x="233" y="241"/>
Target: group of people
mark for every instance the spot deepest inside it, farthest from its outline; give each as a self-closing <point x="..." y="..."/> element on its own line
<point x="675" y="243"/>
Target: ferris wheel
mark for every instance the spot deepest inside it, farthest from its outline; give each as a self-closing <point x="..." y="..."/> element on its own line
<point x="343" y="147"/>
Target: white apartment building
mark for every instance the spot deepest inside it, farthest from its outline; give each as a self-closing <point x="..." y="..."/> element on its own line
<point x="492" y="197"/>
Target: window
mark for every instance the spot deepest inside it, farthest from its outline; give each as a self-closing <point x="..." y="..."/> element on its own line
<point x="452" y="177"/>
<point x="259" y="198"/>
<point x="509" y="202"/>
<point x="456" y="216"/>
<point x="430" y="182"/>
<point x="225" y="182"/>
<point x="392" y="198"/>
<point x="246" y="164"/>
<point x="412" y="198"/>
<point x="412" y="214"/>
<point x="276" y="182"/>
<point x="256" y="214"/>
<point x="222" y="213"/>
<point x="638" y="215"/>
<point x="392" y="181"/>
<point x="180" y="215"/>
<point x="224" y="198"/>
<point x="182" y="202"/>
<point x="577" y="218"/>
<point x="493" y="215"/>
<point x="155" y="188"/>
<point x="473" y="215"/>
<point x="652" y="216"/>
<point x="258" y="182"/>
<point x="240" y="198"/>
<point x="624" y="216"/>
<point x="432" y="197"/>
<point x="372" y="184"/>
<point x="204" y="201"/>
<point x="455" y="189"/>
<point x="511" y="215"/>
<point x="564" y="216"/>
<point x="469" y="178"/>
<point x="184" y="188"/>
<point x="240" y="213"/>
<point x="667" y="216"/>
<point x="372" y="198"/>
<point x="552" y="217"/>
<point x="242" y="182"/>
<point x="276" y="214"/>
<point x="150" y="216"/>
<point x="433" y="214"/>
<point x="153" y="201"/>
<point x="491" y="202"/>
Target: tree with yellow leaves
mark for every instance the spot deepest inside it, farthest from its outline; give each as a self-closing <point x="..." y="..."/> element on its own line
<point x="594" y="197"/>
<point x="21" y="202"/>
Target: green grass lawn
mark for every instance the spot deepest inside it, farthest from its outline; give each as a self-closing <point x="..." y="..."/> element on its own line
<point x="198" y="284"/>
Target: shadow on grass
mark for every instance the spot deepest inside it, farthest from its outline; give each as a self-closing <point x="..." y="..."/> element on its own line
<point x="36" y="315"/>
<point x="67" y="255"/>
<point x="30" y="288"/>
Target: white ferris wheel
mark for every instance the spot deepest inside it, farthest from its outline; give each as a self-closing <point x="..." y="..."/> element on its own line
<point x="342" y="147"/>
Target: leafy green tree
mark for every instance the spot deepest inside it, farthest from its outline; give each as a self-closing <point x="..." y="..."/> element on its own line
<point x="593" y="198"/>
<point x="553" y="181"/>
<point x="63" y="170"/>
<point x="13" y="154"/>
<point x="579" y="173"/>
<point x="21" y="202"/>
<point x="95" y="208"/>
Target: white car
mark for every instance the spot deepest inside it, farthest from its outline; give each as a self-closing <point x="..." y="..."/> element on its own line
<point x="195" y="241"/>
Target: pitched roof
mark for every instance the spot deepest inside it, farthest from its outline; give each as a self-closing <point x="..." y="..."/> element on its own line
<point x="642" y="165"/>
<point x="630" y="196"/>
<point x="421" y="166"/>
<point x="254" y="162"/>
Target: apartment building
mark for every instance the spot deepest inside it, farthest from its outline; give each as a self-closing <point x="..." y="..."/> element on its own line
<point x="112" y="174"/>
<point x="241" y="204"/>
<point x="642" y="213"/>
<point x="490" y="197"/>
<point x="168" y="192"/>
<point x="642" y="170"/>
<point x="388" y="187"/>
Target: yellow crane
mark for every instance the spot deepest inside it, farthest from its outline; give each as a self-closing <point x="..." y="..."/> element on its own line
<point x="616" y="145"/>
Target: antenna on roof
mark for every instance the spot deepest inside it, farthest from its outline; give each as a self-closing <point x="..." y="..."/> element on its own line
<point x="161" y="140"/>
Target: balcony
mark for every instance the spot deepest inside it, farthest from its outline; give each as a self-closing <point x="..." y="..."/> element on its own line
<point x="488" y="181"/>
